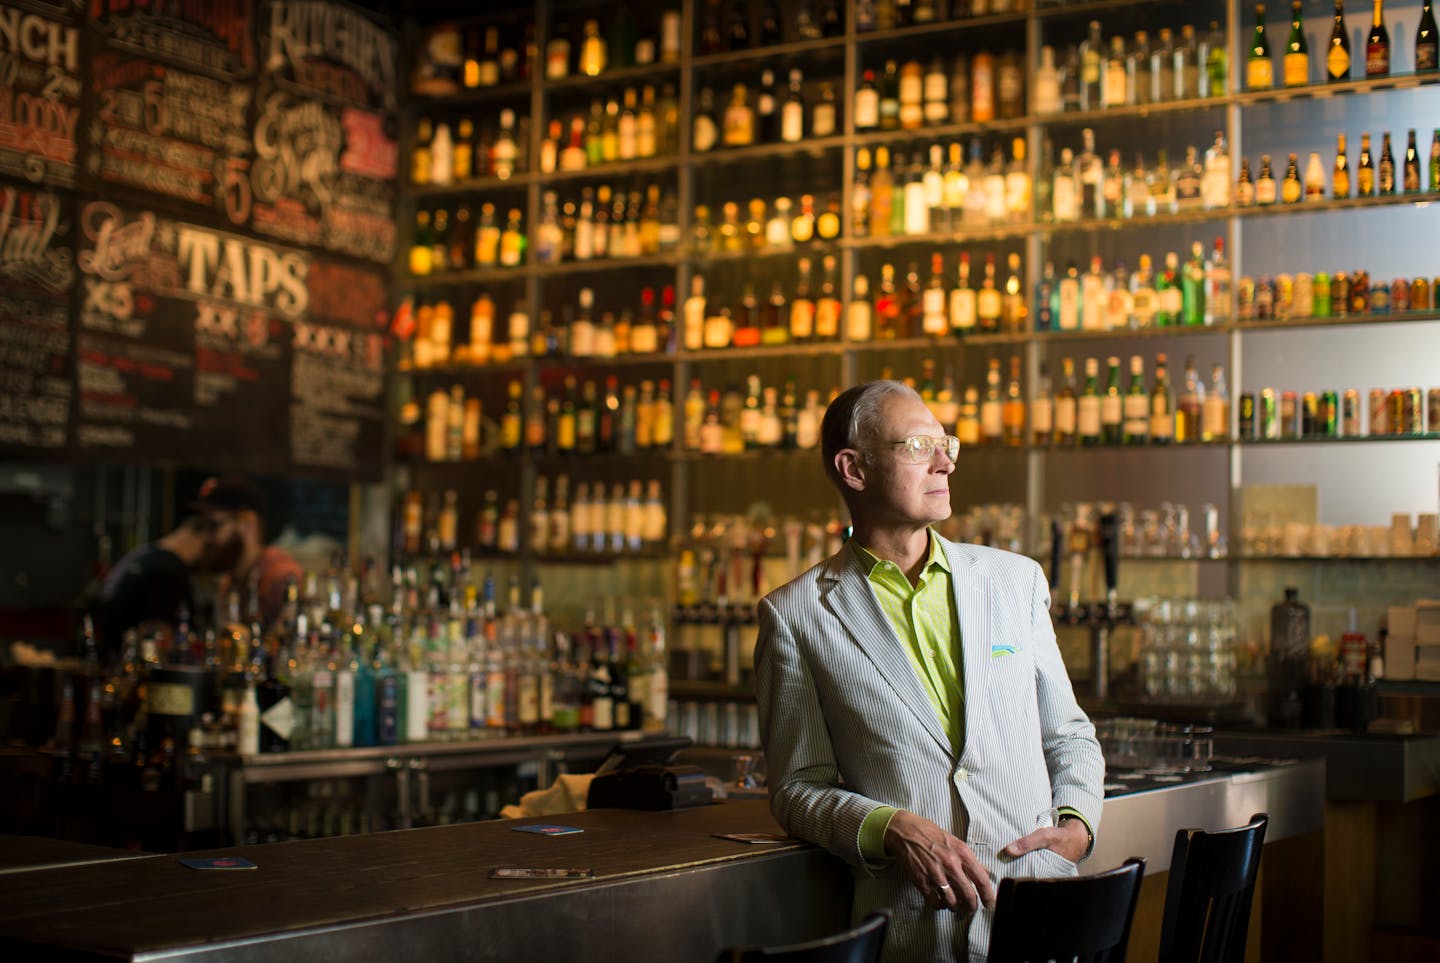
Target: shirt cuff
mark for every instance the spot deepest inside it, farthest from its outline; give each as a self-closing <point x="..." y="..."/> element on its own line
<point x="872" y="833"/>
<point x="1063" y="811"/>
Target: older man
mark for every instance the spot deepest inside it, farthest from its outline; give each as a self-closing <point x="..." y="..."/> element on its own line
<point x="917" y="718"/>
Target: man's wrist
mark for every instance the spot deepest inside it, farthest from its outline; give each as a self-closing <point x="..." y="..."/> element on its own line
<point x="1072" y="816"/>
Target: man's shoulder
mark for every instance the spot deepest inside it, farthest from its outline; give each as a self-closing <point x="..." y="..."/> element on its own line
<point x="992" y="561"/>
<point x="801" y="589"/>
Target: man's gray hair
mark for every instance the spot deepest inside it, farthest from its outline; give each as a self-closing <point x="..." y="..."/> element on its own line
<point x="853" y="420"/>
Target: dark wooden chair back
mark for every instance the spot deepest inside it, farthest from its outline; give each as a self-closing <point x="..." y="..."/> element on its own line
<point x="860" y="945"/>
<point x="1081" y="918"/>
<point x="1207" y="901"/>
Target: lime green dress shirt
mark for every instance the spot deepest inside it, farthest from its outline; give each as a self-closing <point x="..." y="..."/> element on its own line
<point x="924" y="619"/>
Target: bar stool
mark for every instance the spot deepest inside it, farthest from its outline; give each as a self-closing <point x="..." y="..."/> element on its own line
<point x="1207" y="901"/>
<point x="859" y="945"/>
<point x="1081" y="918"/>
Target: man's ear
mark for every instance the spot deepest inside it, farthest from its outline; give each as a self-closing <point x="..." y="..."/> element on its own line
<point x="851" y="469"/>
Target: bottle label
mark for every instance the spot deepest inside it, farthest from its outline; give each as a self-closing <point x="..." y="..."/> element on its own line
<point x="1088" y="416"/>
<point x="1065" y="416"/>
<point x="1111" y="410"/>
<point x="1377" y="59"/>
<point x="1338" y="63"/>
<point x="1297" y="69"/>
<point x="1260" y="74"/>
<point x="1042" y="416"/>
<point x="1427" y="55"/>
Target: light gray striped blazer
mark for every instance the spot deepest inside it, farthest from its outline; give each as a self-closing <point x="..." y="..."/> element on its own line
<point x="847" y="727"/>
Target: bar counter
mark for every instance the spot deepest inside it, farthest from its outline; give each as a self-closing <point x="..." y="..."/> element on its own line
<point x="665" y="889"/>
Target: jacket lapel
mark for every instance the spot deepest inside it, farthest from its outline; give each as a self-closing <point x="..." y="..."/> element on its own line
<point x="853" y="603"/>
<point x="972" y="605"/>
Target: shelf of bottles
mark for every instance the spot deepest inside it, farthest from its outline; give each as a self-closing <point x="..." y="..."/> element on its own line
<point x="957" y="193"/>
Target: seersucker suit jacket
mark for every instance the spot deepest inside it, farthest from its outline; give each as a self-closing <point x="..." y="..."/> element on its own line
<point x="847" y="727"/>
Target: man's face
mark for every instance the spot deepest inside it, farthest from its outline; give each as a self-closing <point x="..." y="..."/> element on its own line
<point x="225" y="543"/>
<point x="897" y="490"/>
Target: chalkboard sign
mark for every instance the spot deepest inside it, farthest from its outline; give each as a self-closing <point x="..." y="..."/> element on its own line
<point x="323" y="177"/>
<point x="170" y="132"/>
<point x="337" y="411"/>
<point x="37" y="272"/>
<point x="331" y="51"/>
<point x="214" y="38"/>
<point x="40" y="91"/>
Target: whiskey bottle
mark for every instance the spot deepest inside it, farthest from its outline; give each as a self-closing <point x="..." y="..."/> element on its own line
<point x="1112" y="405"/>
<point x="1136" y="406"/>
<point x="992" y="423"/>
<point x="1012" y="413"/>
<point x="1042" y="410"/>
<point x="1087" y="407"/>
<point x="1162" y="405"/>
<point x="1066" y="404"/>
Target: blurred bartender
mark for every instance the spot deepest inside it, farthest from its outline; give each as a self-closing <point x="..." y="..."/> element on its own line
<point x="237" y="511"/>
<point x="151" y="583"/>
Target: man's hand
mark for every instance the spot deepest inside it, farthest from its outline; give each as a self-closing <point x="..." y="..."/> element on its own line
<point x="945" y="870"/>
<point x="1069" y="839"/>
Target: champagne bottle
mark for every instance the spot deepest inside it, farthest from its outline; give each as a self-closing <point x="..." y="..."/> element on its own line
<point x="1260" y="72"/>
<point x="1377" y="45"/>
<point x="1297" y="51"/>
<point x="1337" y="59"/>
<point x="1427" y="41"/>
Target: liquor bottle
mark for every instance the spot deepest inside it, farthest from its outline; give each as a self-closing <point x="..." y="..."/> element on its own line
<point x="1435" y="163"/>
<point x="1114" y="75"/>
<point x="1092" y="297"/>
<point x="1265" y="186"/>
<point x="858" y="314"/>
<point x="1377" y="44"/>
<point x="1067" y="315"/>
<point x="1297" y="51"/>
<point x="1066" y="405"/>
<point x="1260" y="72"/>
<point x="802" y="305"/>
<point x="1291" y="188"/>
<point x="1411" y="177"/>
<point x="1169" y="294"/>
<point x="823" y="116"/>
<point x="1087" y="407"/>
<point x="911" y="109"/>
<point x="1189" y="409"/>
<point x="1091" y="59"/>
<point x="1162" y="405"/>
<point x="890" y="96"/>
<point x="988" y="302"/>
<point x="992" y="422"/>
<point x="1340" y="180"/>
<point x="982" y="87"/>
<point x="1135" y="409"/>
<point x="1045" y="94"/>
<point x="1012" y="301"/>
<point x="1112" y="406"/>
<point x="1365" y="170"/>
<point x="867" y="103"/>
<point x="1217" y="62"/>
<point x="827" y="304"/>
<point x="1385" y="173"/>
<point x="963" y="300"/>
<point x="1337" y="58"/>
<point x="1215" y="410"/>
<point x="1217" y="285"/>
<point x="792" y="114"/>
<point x="882" y="195"/>
<point x="934" y="319"/>
<point x="1046" y="292"/>
<point x="1162" y="67"/>
<point x="767" y="112"/>
<point x="1193" y="287"/>
<point x="1012" y="412"/>
<point x="1144" y="299"/>
<point x="1427" y="41"/>
<point x="1042" y="410"/>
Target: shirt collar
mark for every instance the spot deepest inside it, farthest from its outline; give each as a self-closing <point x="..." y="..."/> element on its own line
<point x="869" y="561"/>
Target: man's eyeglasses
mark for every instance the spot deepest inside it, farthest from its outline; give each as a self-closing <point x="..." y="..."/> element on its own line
<point x="918" y="449"/>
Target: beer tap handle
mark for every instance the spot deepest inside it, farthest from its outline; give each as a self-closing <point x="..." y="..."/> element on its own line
<point x="1110" y="545"/>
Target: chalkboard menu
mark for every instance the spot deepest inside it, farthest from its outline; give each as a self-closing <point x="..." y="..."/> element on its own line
<point x="40" y="91"/>
<point x="37" y="272"/>
<point x="337" y="382"/>
<point x="324" y="177"/>
<point x="200" y="343"/>
<point x="195" y="201"/>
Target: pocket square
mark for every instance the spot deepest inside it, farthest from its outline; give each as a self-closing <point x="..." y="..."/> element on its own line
<point x="998" y="650"/>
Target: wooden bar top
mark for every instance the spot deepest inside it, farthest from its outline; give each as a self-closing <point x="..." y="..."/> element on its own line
<point x="154" y="904"/>
<point x="22" y="854"/>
